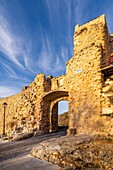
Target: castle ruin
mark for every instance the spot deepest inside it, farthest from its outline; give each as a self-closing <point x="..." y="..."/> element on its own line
<point x="87" y="86"/>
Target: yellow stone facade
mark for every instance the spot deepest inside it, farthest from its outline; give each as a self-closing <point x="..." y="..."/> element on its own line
<point x="85" y="86"/>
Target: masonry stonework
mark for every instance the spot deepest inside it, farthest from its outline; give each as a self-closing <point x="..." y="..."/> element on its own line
<point x="86" y="86"/>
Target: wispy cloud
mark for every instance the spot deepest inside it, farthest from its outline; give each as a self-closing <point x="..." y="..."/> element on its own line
<point x="9" y="70"/>
<point x="45" y="55"/>
<point x="64" y="54"/>
<point x="15" y="47"/>
<point x="48" y="61"/>
<point x="16" y="61"/>
<point x="19" y="50"/>
<point x="9" y="45"/>
<point x="7" y="91"/>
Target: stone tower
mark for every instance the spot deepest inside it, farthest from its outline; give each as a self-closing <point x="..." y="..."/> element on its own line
<point x="86" y="98"/>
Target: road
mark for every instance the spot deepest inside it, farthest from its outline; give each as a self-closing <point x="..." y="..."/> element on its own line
<point x="15" y="155"/>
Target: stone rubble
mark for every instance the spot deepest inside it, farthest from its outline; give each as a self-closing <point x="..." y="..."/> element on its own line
<point x="77" y="152"/>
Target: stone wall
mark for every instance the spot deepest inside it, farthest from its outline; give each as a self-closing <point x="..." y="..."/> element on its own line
<point x="111" y="43"/>
<point x="23" y="109"/>
<point x="107" y="105"/>
<point x="85" y="80"/>
<point x="58" y="83"/>
<point x="84" y="86"/>
<point x="91" y="52"/>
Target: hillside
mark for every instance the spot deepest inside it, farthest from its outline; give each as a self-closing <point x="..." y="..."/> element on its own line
<point x="63" y="119"/>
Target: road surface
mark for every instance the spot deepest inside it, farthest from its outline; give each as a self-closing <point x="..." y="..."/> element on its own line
<point x="15" y="155"/>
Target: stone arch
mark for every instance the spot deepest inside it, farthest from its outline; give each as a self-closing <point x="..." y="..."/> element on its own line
<point x="49" y="106"/>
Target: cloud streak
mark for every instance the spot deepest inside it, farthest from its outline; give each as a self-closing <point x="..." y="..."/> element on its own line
<point x="15" y="47"/>
<point x="9" y="70"/>
<point x="8" y="44"/>
<point x="7" y="91"/>
<point x="48" y="60"/>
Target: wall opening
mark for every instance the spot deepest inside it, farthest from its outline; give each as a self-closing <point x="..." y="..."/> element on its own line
<point x="51" y="111"/>
<point x="59" y="116"/>
<point x="63" y="118"/>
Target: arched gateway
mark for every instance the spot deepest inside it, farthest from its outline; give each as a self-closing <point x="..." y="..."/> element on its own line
<point x="88" y="81"/>
<point x="49" y="109"/>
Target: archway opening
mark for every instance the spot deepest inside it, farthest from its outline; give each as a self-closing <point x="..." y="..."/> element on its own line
<point x="63" y="118"/>
<point x="59" y="116"/>
<point x="49" y="109"/>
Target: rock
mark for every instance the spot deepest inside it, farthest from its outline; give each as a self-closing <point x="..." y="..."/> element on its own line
<point x="22" y="136"/>
<point x="71" y="131"/>
<point x="38" y="133"/>
<point x="5" y="138"/>
<point x="77" y="152"/>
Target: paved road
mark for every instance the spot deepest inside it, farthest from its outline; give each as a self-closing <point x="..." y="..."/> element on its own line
<point x="15" y="155"/>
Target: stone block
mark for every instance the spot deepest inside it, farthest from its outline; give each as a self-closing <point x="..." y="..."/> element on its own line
<point x="22" y="136"/>
<point x="71" y="131"/>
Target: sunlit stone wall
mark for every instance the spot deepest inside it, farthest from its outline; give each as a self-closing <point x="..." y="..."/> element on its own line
<point x="84" y="86"/>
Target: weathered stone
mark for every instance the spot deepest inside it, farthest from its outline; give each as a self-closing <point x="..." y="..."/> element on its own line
<point x="22" y="136"/>
<point x="71" y="131"/>
<point x="85" y="86"/>
<point x="38" y="133"/>
<point x="77" y="152"/>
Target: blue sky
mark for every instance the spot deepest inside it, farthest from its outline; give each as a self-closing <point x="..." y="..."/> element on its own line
<point x="36" y="36"/>
<point x="62" y="107"/>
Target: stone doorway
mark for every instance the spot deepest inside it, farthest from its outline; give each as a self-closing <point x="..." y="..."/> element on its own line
<point x="49" y="121"/>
